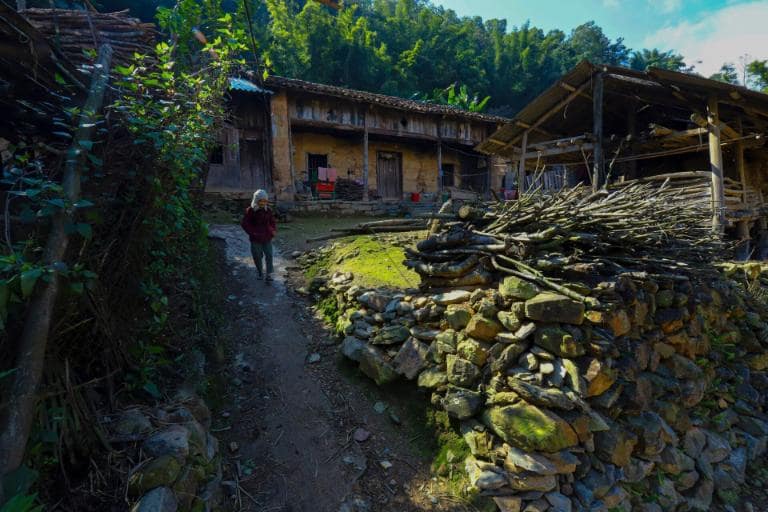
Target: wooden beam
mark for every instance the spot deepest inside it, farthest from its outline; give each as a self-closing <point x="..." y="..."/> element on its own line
<point x="569" y="87"/>
<point x="527" y="126"/>
<point x="546" y="115"/>
<point x="562" y="142"/>
<point x="297" y="121"/>
<point x="571" y="148"/>
<point x="726" y="130"/>
<point x="365" y="155"/>
<point x="716" y="166"/>
<point x="521" y="165"/>
<point x="598" y="167"/>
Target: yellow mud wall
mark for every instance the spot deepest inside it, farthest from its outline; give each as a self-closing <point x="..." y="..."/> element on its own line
<point x="281" y="162"/>
<point x="346" y="155"/>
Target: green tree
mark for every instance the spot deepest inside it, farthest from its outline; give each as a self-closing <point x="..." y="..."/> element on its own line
<point x="727" y="73"/>
<point x="757" y="75"/>
<point x="645" y="59"/>
<point x="460" y="98"/>
<point x="588" y="42"/>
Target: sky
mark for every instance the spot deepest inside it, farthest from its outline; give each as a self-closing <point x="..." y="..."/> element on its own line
<point x="706" y="32"/>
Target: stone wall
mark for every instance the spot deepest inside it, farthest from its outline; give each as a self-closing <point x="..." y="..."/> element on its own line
<point x="649" y="396"/>
<point x="372" y="208"/>
<point x="180" y="464"/>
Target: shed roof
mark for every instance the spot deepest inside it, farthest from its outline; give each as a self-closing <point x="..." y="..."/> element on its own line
<point x="379" y="99"/>
<point x="675" y="95"/>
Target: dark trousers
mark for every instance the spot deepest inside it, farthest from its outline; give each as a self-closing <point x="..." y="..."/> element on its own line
<point x="259" y="252"/>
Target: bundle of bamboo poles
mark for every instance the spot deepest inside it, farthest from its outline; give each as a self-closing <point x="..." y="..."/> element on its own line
<point x="640" y="228"/>
<point x="74" y="31"/>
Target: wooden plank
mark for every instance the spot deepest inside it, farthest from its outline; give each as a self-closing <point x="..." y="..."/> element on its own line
<point x="598" y="168"/>
<point x="716" y="165"/>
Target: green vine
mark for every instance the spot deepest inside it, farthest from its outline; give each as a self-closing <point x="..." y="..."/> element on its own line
<point x="173" y="112"/>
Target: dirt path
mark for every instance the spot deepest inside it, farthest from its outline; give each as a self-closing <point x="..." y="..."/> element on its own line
<point x="294" y="418"/>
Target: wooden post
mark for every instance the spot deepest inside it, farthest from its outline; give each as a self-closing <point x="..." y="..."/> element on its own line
<point x="365" y="156"/>
<point x="632" y="132"/>
<point x="716" y="166"/>
<point x="290" y="156"/>
<point x="743" y="245"/>
<point x="598" y="169"/>
<point x="762" y="238"/>
<point x="740" y="164"/>
<point x="743" y="249"/>
<point x="440" y="157"/>
<point x="521" y="166"/>
<point x="439" y="167"/>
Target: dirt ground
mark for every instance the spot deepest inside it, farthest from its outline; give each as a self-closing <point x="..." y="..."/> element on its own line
<point x="298" y="426"/>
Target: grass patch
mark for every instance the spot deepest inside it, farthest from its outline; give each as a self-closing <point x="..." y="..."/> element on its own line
<point x="318" y="267"/>
<point x="374" y="263"/>
<point x="329" y="308"/>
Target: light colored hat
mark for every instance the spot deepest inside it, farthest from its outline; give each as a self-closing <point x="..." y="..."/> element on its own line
<point x="259" y="195"/>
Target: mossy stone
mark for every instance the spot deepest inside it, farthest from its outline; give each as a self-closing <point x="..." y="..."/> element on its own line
<point x="458" y="317"/>
<point x="553" y="307"/>
<point x="530" y="428"/>
<point x="515" y="288"/>
<point x="163" y="470"/>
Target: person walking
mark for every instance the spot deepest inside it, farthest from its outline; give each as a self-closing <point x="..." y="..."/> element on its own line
<point x="259" y="223"/>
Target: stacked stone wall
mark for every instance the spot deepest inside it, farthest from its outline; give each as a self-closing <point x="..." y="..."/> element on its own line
<point x="649" y="395"/>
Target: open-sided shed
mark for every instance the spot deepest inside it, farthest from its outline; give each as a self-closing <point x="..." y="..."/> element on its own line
<point x="605" y="125"/>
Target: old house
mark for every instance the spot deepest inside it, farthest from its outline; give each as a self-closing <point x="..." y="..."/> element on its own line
<point x="600" y="124"/>
<point x="305" y="141"/>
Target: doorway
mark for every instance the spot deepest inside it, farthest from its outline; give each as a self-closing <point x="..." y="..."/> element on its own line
<point x="253" y="168"/>
<point x="389" y="174"/>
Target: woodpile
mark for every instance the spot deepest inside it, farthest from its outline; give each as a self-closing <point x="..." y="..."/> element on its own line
<point x="692" y="187"/>
<point x="374" y="227"/>
<point x="639" y="228"/>
<point x="739" y="199"/>
<point x="349" y="190"/>
<point x="75" y="31"/>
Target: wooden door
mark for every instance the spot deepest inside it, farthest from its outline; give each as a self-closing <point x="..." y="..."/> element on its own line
<point x="389" y="174"/>
<point x="253" y="168"/>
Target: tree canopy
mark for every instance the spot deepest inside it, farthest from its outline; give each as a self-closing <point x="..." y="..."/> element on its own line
<point x="412" y="48"/>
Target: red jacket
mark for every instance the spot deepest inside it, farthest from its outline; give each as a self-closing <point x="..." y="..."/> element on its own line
<point x="259" y="224"/>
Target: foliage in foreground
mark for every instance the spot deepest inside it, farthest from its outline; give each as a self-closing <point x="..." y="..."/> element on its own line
<point x="170" y="104"/>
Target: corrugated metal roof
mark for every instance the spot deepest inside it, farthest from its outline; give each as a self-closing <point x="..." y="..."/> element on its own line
<point x="380" y="99"/>
<point x="241" y="84"/>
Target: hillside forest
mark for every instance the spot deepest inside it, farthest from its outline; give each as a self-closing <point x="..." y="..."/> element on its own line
<point x="414" y="48"/>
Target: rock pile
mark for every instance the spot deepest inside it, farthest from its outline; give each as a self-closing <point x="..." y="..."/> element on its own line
<point x="181" y="467"/>
<point x="649" y="396"/>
